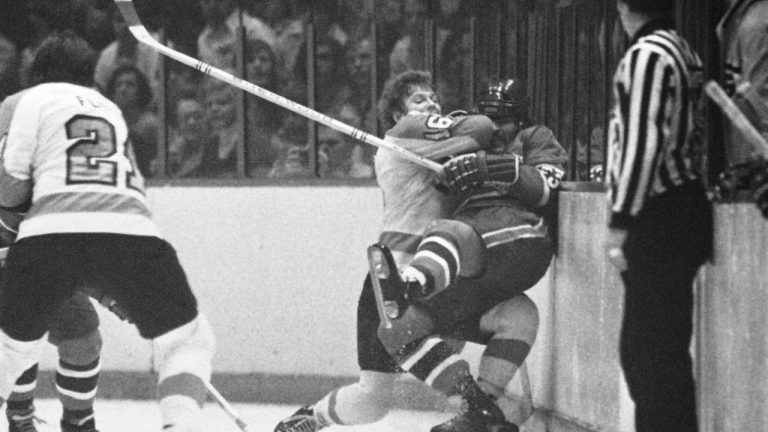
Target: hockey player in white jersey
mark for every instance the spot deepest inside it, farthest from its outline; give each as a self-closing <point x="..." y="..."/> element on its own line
<point x="409" y="111"/>
<point x="66" y="162"/>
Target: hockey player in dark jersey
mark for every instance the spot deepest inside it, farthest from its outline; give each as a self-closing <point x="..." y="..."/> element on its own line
<point x="480" y="304"/>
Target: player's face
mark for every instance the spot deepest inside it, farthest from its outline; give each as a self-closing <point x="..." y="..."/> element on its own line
<point x="422" y="100"/>
<point x="508" y="129"/>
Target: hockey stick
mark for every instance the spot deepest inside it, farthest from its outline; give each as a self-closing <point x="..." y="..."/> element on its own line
<point x="737" y="118"/>
<point x="142" y="35"/>
<point x="226" y="406"/>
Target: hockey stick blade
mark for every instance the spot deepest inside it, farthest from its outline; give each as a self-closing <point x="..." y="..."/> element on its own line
<point x="737" y="118"/>
<point x="226" y="406"/>
<point x="141" y="34"/>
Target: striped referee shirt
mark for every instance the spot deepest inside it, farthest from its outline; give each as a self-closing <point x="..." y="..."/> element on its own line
<point x="652" y="131"/>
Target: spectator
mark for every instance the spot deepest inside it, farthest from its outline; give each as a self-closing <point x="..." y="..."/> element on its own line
<point x="263" y="116"/>
<point x="125" y="49"/>
<point x="408" y="52"/>
<point x="216" y="44"/>
<point x="190" y="138"/>
<point x="389" y="19"/>
<point x="9" y="67"/>
<point x="289" y="144"/>
<point x="181" y="80"/>
<point x="336" y="158"/>
<point x="325" y="18"/>
<point x="220" y="103"/>
<point x="331" y="83"/>
<point x="455" y="65"/>
<point x="97" y="26"/>
<point x="129" y="90"/>
<point x="355" y="18"/>
<point x="290" y="34"/>
<point x="743" y="34"/>
<point x="360" y="58"/>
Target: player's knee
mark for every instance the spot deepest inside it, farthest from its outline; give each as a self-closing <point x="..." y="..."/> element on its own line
<point x="16" y="357"/>
<point x="186" y="349"/>
<point x="414" y="325"/>
<point x="516" y="318"/>
<point x="80" y="351"/>
<point x="468" y="242"/>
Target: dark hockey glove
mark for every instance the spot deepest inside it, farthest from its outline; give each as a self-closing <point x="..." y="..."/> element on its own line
<point x="469" y="171"/>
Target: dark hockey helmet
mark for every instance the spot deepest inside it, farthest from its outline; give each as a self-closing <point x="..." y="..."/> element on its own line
<point x="504" y="99"/>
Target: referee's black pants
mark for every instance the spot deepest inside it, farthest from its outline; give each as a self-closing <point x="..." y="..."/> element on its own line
<point x="671" y="239"/>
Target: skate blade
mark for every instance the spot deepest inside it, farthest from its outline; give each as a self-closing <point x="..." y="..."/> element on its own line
<point x="379" y="269"/>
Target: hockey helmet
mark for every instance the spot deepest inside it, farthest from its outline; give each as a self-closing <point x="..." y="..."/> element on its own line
<point x="505" y="98"/>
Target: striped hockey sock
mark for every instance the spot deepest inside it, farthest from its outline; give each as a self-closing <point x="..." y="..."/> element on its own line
<point x="21" y="401"/>
<point x="77" y="385"/>
<point x="436" y="263"/>
<point x="500" y="361"/>
<point x="436" y="362"/>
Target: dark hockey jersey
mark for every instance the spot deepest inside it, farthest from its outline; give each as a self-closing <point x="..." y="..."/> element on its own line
<point x="411" y="201"/>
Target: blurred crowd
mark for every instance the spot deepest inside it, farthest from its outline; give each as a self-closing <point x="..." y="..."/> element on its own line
<point x="214" y="130"/>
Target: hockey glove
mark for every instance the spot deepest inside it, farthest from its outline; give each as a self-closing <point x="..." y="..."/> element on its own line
<point x="469" y="171"/>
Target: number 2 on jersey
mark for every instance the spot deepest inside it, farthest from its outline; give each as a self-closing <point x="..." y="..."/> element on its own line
<point x="94" y="158"/>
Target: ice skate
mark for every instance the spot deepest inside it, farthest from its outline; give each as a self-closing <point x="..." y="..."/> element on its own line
<point x="22" y="423"/>
<point x="388" y="288"/>
<point x="481" y="414"/>
<point x="86" y="426"/>
<point x="302" y="420"/>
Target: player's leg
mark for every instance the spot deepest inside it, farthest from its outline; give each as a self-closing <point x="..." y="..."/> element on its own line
<point x="75" y="332"/>
<point x="513" y="324"/>
<point x="144" y="276"/>
<point x="450" y="248"/>
<point x="36" y="279"/>
<point x="20" y="407"/>
<point x="366" y="401"/>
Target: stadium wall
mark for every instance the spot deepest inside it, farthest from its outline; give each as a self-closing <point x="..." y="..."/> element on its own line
<point x="278" y="271"/>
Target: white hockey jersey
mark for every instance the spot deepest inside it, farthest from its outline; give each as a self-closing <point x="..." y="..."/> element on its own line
<point x="64" y="149"/>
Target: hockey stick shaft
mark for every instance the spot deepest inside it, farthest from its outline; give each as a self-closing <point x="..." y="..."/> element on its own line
<point x="226" y="406"/>
<point x="737" y="118"/>
<point x="142" y="35"/>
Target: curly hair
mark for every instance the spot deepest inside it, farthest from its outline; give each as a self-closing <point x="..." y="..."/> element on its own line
<point x="395" y="91"/>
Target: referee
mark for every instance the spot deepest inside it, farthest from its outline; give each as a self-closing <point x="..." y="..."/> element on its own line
<point x="660" y="229"/>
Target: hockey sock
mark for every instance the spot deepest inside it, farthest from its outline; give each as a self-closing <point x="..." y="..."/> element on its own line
<point x="363" y="402"/>
<point x="21" y="401"/>
<point x="77" y="385"/>
<point x="436" y="362"/>
<point x="438" y="261"/>
<point x="499" y="363"/>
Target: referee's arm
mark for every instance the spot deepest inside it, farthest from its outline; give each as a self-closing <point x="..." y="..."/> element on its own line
<point x="645" y="87"/>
